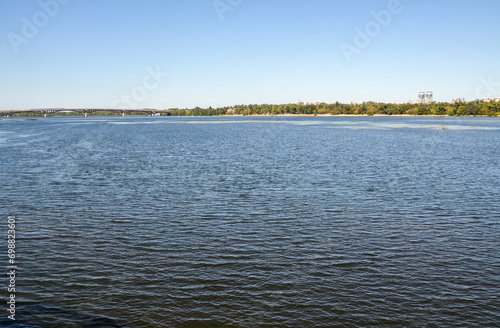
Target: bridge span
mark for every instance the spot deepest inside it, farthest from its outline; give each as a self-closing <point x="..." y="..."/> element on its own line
<point x="84" y="111"/>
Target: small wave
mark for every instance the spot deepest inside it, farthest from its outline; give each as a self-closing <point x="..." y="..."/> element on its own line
<point x="38" y="316"/>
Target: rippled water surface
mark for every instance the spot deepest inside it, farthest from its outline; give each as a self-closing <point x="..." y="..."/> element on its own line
<point x="253" y="222"/>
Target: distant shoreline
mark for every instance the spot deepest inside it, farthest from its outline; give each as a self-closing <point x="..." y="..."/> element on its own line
<point x="259" y="115"/>
<point x="346" y="115"/>
<point x="332" y="115"/>
<point x="472" y="108"/>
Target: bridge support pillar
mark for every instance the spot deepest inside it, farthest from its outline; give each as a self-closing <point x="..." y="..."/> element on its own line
<point x="123" y="114"/>
<point x="85" y="114"/>
<point x="45" y="114"/>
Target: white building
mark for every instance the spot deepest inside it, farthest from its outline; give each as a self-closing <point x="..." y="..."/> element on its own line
<point x="425" y="97"/>
<point x="421" y="98"/>
<point x="429" y="97"/>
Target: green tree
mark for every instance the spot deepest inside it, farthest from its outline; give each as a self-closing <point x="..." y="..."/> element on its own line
<point x="462" y="111"/>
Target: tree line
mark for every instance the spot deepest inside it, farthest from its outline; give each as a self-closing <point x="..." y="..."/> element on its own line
<point x="472" y="108"/>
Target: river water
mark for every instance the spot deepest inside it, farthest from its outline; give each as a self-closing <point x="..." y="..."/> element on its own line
<point x="253" y="221"/>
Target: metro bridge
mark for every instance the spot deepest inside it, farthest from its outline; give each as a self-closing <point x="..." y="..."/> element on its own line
<point x="84" y="111"/>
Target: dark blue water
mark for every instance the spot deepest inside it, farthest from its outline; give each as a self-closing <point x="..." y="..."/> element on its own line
<point x="253" y="222"/>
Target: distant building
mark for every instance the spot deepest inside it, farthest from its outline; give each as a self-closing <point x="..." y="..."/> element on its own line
<point x="421" y="98"/>
<point x="497" y="98"/>
<point x="458" y="100"/>
<point x="429" y="97"/>
<point x="487" y="99"/>
<point x="317" y="103"/>
<point x="425" y="97"/>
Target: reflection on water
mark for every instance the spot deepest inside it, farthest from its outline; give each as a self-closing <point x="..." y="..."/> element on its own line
<point x="257" y="222"/>
<point x="347" y="124"/>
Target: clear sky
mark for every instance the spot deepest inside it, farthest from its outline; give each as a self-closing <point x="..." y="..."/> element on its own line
<point x="187" y="53"/>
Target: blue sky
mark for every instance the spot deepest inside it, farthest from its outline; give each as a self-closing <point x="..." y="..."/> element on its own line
<point x="96" y="53"/>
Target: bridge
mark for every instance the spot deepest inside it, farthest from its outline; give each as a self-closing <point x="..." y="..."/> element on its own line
<point x="84" y="111"/>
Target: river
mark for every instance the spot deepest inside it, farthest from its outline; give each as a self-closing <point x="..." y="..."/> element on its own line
<point x="252" y="221"/>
